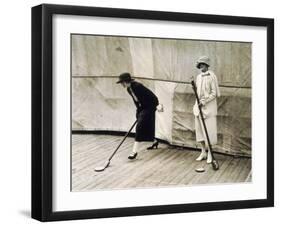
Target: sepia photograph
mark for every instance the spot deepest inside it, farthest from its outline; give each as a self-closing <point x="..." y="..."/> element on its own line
<point x="141" y="112"/>
<point x="159" y="112"/>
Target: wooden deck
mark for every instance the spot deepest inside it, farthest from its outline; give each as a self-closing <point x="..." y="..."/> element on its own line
<point x="165" y="166"/>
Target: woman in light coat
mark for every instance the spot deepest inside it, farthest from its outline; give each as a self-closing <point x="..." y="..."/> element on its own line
<point x="208" y="91"/>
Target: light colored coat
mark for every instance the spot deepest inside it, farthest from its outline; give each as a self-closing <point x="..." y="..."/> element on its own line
<point x="208" y="91"/>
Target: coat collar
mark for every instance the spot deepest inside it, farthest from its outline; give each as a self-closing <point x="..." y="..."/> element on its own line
<point x="207" y="73"/>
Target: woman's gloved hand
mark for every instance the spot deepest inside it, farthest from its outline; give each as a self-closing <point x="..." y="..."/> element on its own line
<point x="160" y="108"/>
<point x="202" y="103"/>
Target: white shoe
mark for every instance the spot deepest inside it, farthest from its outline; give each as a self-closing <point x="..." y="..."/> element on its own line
<point x="202" y="156"/>
<point x="133" y="155"/>
<point x="209" y="158"/>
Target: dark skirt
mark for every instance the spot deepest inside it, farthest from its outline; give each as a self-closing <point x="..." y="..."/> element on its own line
<point x="145" y="128"/>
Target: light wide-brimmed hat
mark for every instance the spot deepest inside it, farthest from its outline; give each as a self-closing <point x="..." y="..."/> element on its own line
<point x="125" y="77"/>
<point x="203" y="60"/>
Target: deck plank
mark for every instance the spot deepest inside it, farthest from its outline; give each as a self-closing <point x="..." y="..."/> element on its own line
<point x="103" y="154"/>
<point x="134" y="171"/>
<point x="165" y="166"/>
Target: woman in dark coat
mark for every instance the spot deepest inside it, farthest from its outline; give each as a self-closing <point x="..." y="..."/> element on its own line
<point x="146" y="103"/>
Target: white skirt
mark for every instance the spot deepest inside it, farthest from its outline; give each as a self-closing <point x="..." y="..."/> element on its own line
<point x="211" y="124"/>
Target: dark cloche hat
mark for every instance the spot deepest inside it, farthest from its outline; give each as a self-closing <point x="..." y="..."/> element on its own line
<point x="125" y="77"/>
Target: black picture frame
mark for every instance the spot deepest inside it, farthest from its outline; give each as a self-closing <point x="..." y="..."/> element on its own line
<point x="42" y="107"/>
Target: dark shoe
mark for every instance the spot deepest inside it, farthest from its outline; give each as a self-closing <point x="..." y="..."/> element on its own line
<point x="154" y="145"/>
<point x="133" y="155"/>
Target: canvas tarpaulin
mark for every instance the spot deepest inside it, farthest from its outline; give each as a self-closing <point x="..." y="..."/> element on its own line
<point x="98" y="103"/>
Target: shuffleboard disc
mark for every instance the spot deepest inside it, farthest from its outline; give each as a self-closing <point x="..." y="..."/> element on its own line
<point x="200" y="170"/>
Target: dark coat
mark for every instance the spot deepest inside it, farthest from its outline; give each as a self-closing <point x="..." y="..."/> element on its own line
<point x="146" y="107"/>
